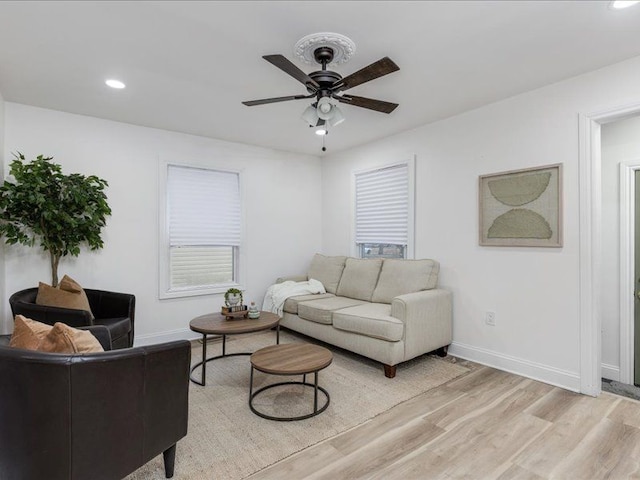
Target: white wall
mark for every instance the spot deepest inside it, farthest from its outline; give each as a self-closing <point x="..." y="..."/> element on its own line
<point x="282" y="206"/>
<point x="620" y="143"/>
<point x="534" y="291"/>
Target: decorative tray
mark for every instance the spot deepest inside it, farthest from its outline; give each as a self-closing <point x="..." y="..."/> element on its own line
<point x="239" y="311"/>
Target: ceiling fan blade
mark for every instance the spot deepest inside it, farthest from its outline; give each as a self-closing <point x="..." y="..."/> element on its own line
<point x="377" y="69"/>
<point x="371" y="104"/>
<point x="264" y="101"/>
<point x="286" y="66"/>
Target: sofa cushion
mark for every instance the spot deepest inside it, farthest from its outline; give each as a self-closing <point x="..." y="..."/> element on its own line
<point x="327" y="270"/>
<point x="359" y="278"/>
<point x="370" y="319"/>
<point x="291" y="303"/>
<point x="398" y="277"/>
<point x="320" y="311"/>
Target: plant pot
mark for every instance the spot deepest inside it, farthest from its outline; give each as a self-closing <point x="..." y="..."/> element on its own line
<point x="233" y="299"/>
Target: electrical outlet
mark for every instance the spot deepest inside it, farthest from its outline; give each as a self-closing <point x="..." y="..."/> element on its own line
<point x="490" y="318"/>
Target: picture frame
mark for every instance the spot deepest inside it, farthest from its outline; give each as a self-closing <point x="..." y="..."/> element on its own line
<point x="521" y="208"/>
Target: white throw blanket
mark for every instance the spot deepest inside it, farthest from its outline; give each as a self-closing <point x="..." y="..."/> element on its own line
<point x="277" y="294"/>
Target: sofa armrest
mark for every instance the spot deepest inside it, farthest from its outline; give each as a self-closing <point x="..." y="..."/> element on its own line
<point x="294" y="278"/>
<point x="428" y="320"/>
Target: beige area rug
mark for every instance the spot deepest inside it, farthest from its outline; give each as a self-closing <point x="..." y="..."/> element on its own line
<point x="226" y="441"/>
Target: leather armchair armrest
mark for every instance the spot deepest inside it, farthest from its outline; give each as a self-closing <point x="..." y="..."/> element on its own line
<point x="137" y="397"/>
<point x="106" y="304"/>
<point x="50" y="315"/>
<point x="102" y="335"/>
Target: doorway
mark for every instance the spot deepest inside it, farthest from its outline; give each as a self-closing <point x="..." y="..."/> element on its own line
<point x="591" y="266"/>
<point x="629" y="269"/>
<point x="620" y="251"/>
<point x="636" y="280"/>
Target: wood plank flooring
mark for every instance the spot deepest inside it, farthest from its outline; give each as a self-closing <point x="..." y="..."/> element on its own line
<point x="488" y="424"/>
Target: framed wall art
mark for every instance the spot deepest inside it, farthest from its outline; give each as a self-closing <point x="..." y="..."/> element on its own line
<point x="522" y="208"/>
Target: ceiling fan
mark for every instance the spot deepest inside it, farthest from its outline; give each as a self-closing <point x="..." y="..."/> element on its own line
<point x="325" y="85"/>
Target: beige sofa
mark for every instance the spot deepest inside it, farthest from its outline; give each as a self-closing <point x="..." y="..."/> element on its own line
<point x="385" y="309"/>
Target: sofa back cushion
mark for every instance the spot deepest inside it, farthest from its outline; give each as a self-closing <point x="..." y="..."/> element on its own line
<point x="327" y="270"/>
<point x="359" y="278"/>
<point x="398" y="277"/>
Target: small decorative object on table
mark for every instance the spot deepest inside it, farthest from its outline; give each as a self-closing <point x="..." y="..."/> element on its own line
<point x="233" y="305"/>
<point x="232" y="297"/>
<point x="253" y="311"/>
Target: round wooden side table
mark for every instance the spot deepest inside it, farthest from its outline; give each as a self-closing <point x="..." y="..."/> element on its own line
<point x="217" y="324"/>
<point x="291" y="359"/>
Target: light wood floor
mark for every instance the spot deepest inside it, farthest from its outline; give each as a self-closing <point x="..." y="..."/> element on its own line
<point x="487" y="424"/>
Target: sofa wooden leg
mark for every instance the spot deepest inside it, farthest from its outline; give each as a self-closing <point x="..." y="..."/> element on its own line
<point x="169" y="460"/>
<point x="389" y="371"/>
<point x="442" y="351"/>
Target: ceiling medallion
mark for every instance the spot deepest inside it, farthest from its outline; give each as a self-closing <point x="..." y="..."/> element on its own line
<point x="343" y="47"/>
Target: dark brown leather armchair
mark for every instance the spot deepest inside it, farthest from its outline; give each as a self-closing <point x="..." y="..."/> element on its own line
<point x="96" y="416"/>
<point x="116" y="311"/>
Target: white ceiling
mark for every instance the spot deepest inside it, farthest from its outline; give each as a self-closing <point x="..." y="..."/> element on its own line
<point x="188" y="65"/>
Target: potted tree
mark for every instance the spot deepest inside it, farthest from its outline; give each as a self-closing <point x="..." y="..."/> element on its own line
<point x="60" y="212"/>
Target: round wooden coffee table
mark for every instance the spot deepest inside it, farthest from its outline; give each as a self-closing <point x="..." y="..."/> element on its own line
<point x="291" y="359"/>
<point x="217" y="324"/>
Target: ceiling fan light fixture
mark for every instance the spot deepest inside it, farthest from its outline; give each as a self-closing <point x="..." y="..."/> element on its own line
<point x="337" y="118"/>
<point x="321" y="131"/>
<point x="325" y="108"/>
<point x="310" y="115"/>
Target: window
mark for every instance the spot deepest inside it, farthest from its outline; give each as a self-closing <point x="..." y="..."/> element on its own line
<point x="384" y="212"/>
<point x="202" y="230"/>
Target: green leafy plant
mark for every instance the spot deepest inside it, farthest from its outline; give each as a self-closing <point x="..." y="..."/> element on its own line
<point x="61" y="212"/>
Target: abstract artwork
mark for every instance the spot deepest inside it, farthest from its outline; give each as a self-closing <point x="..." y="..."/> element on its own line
<point x="522" y="208"/>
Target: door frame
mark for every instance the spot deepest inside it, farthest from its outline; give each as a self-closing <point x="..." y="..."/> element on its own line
<point x="590" y="193"/>
<point x="628" y="171"/>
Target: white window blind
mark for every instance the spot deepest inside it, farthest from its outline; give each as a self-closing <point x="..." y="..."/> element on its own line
<point x="204" y="226"/>
<point x="204" y="207"/>
<point x="382" y="206"/>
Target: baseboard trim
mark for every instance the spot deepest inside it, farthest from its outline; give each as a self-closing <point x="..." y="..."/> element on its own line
<point x="610" y="372"/>
<point x="169" y="336"/>
<point x="536" y="371"/>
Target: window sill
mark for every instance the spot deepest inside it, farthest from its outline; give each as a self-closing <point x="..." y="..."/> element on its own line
<point x="196" y="292"/>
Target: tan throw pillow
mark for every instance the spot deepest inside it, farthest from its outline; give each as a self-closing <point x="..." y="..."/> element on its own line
<point x="60" y="338"/>
<point x="68" y="295"/>
<point x="64" y="339"/>
<point x="28" y="333"/>
<point x="68" y="284"/>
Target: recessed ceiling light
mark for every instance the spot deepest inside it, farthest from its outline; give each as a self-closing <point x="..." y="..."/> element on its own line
<point x="620" y="4"/>
<point x="321" y="131"/>
<point x="115" y="83"/>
